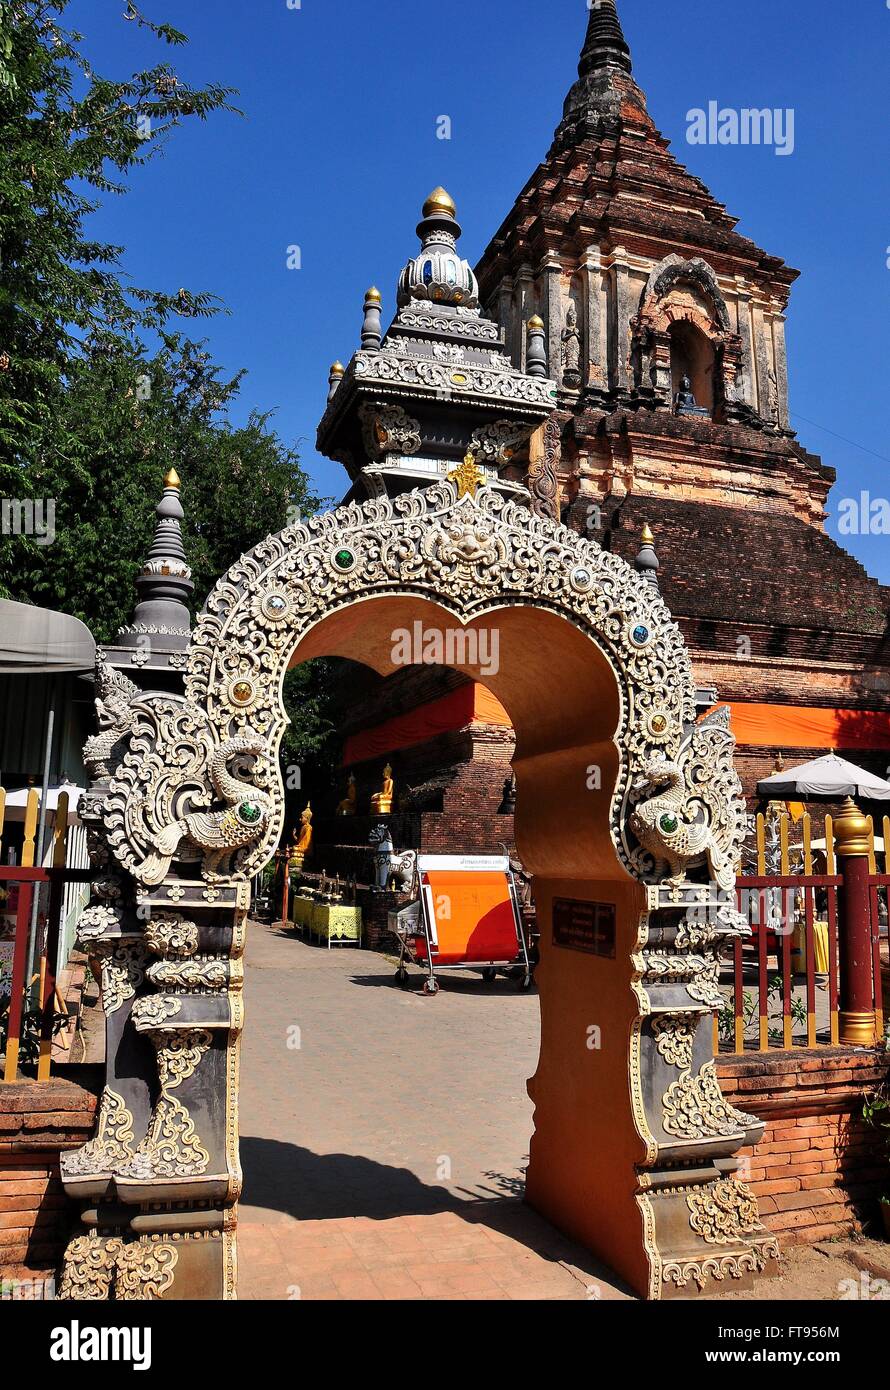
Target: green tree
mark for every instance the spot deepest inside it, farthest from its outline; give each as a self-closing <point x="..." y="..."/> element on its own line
<point x="70" y="138"/>
<point x="133" y="417"/>
<point x="91" y="416"/>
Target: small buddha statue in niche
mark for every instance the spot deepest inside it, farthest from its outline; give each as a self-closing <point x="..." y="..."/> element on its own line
<point x="685" y="402"/>
<point x="347" y="806"/>
<point x="381" y="802"/>
<point x="571" y="348"/>
<point x="302" y="839"/>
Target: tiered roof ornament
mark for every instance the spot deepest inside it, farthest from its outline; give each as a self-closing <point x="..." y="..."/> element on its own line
<point x="160" y="632"/>
<point x="605" y="45"/>
<point x="438" y="386"/>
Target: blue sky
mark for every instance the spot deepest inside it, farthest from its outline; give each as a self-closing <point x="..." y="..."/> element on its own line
<point x="338" y="149"/>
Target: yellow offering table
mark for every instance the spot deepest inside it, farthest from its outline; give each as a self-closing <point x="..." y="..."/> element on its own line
<point x="301" y="912"/>
<point x="336" y="924"/>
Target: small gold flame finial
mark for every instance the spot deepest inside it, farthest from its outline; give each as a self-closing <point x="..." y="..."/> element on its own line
<point x="468" y="477"/>
<point x="535" y="323"/>
<point x="374" y="295"/>
<point x="646" y="536"/>
<point x="337" y="369"/>
<point x="172" y="479"/>
<point x="439" y="201"/>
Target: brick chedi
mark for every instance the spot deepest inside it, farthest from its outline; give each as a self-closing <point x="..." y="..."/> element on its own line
<point x="642" y="281"/>
<point x="659" y="329"/>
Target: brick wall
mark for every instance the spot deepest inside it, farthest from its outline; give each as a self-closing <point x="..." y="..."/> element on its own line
<point x="37" y="1122"/>
<point x="819" y="1171"/>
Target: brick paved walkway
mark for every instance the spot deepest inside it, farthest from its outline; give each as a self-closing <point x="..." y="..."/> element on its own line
<point x="384" y="1136"/>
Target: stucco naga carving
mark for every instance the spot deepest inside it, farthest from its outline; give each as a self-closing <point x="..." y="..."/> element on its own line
<point x="162" y="800"/>
<point x="697" y="813"/>
<point x="114" y="717"/>
<point x="218" y="833"/>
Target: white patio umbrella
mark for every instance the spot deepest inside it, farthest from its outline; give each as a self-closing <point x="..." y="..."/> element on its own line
<point x="825" y="779"/>
<point x="17" y="801"/>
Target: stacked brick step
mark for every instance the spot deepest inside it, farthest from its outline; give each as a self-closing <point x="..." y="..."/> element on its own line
<point x="38" y="1122"/>
<point x="820" y="1170"/>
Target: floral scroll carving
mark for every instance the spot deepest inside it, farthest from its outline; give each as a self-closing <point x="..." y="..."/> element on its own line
<point x="695" y="1107"/>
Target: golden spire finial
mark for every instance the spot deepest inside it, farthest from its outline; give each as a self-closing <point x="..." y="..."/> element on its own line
<point x="468" y="477"/>
<point x="337" y="369"/>
<point x="439" y="201"/>
<point x="172" y="478"/>
<point x="535" y="322"/>
<point x="374" y="295"/>
<point x="646" y="536"/>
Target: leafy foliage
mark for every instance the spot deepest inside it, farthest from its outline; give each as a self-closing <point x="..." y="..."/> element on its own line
<point x="91" y="416"/>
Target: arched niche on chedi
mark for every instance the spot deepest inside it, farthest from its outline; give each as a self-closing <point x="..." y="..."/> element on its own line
<point x="634" y="1143"/>
<point x="684" y="322"/>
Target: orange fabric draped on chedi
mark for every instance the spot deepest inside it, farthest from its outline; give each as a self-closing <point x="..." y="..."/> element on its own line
<point x="793" y="726"/>
<point x="469" y="704"/>
<point x="755" y="725"/>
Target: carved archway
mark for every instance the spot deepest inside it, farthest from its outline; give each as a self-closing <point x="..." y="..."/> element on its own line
<point x="633" y="1142"/>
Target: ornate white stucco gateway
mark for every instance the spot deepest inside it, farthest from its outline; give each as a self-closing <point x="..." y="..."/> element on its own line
<point x="187" y="805"/>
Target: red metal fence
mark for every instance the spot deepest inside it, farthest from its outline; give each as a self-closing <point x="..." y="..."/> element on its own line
<point x="783" y="985"/>
<point x="27" y="992"/>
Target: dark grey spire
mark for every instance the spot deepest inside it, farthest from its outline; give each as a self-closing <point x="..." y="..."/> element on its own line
<point x="605" y="90"/>
<point x="646" y="562"/>
<point x="164" y="583"/>
<point x="605" y="45"/>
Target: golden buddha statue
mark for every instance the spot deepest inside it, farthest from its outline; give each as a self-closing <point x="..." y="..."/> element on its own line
<point x="303" y="841"/>
<point x="347" y="806"/>
<point x="381" y="802"/>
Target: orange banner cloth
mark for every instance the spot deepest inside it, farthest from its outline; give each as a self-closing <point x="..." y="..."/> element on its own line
<point x="795" y="726"/>
<point x="758" y="725"/>
<point x="468" y="704"/>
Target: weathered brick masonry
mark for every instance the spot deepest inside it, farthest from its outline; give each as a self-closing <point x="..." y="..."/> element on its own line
<point x="819" y="1171"/>
<point x="38" y="1122"/>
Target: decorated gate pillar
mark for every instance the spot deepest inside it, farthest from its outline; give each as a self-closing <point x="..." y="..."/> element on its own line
<point x="634" y="1145"/>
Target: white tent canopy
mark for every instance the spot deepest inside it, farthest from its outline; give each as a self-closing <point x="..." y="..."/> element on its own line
<point x="829" y="779"/>
<point x="17" y="801"/>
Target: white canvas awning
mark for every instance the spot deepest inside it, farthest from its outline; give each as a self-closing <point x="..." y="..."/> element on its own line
<point x="37" y="641"/>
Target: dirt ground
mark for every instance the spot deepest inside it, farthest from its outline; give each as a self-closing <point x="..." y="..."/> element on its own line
<point x="850" y="1270"/>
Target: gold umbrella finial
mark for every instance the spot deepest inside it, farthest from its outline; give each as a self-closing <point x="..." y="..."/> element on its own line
<point x="439" y="201"/>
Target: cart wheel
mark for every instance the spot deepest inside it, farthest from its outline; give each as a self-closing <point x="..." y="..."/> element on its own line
<point x="489" y="975"/>
<point x="431" y="986"/>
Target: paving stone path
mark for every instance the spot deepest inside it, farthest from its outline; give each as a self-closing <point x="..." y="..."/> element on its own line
<point x="384" y="1136"/>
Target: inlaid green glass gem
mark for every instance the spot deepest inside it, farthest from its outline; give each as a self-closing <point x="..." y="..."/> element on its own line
<point x="669" y="824"/>
<point x="249" y="812"/>
<point x="343" y="559"/>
